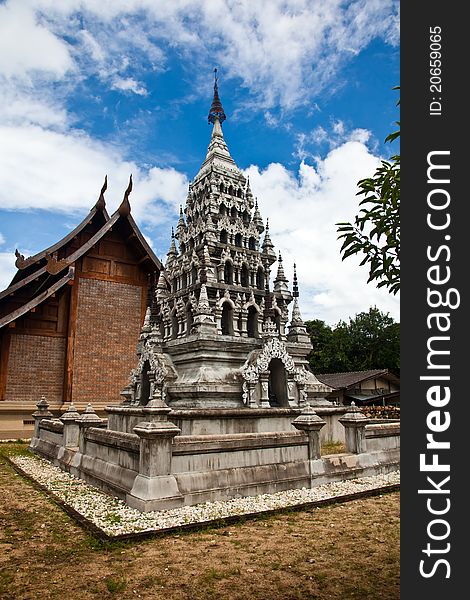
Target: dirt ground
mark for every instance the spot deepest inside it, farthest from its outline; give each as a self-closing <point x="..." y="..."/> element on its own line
<point x="344" y="551"/>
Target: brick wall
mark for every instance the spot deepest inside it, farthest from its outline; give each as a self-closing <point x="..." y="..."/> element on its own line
<point x="35" y="368"/>
<point x="108" y="327"/>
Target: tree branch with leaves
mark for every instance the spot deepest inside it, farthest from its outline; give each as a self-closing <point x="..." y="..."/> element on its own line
<point x="375" y="232"/>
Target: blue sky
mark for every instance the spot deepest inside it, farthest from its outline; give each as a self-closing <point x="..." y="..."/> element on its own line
<point x="90" y="87"/>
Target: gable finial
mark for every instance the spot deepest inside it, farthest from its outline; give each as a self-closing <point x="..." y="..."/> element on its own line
<point x="101" y="203"/>
<point x="125" y="207"/>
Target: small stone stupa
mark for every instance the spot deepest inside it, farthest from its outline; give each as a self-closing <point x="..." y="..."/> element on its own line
<point x="218" y="334"/>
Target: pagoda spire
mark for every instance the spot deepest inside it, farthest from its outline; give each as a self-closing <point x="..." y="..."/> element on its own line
<point x="268" y="246"/>
<point x="181" y="226"/>
<point x="257" y="220"/>
<point x="216" y="111"/>
<point x="172" y="252"/>
<point x="280" y="283"/>
<point x="217" y="152"/>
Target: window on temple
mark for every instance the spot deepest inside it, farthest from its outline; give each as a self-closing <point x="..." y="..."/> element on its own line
<point x="252" y="243"/>
<point x="223" y="236"/>
<point x="238" y="240"/>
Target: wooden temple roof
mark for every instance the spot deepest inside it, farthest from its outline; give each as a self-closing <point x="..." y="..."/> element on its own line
<point x="41" y="275"/>
<point x="27" y="266"/>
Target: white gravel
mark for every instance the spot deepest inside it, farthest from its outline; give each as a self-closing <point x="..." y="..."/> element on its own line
<point x="115" y="518"/>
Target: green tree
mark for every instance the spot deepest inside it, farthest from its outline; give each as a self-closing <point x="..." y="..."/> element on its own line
<point x="371" y="340"/>
<point x="330" y="351"/>
<point x="374" y="341"/>
<point x="375" y="232"/>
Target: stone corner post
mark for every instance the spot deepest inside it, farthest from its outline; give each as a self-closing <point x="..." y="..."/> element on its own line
<point x="88" y="419"/>
<point x="309" y="422"/>
<point x="71" y="420"/>
<point x="155" y="487"/>
<point x="354" y="423"/>
<point x="41" y="413"/>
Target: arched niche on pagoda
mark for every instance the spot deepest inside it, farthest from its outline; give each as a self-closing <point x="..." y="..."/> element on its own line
<point x="174" y="324"/>
<point x="252" y="324"/>
<point x="277" y="384"/>
<point x="228" y="272"/>
<point x="244" y="276"/>
<point x="226" y="321"/>
<point x="260" y="278"/>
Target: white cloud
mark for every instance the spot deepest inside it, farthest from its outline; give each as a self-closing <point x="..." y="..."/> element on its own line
<point x="20" y="105"/>
<point x="128" y="85"/>
<point x="7" y="268"/>
<point x="284" y="52"/>
<point x="303" y="208"/>
<point x="60" y="171"/>
<point x="308" y="142"/>
<point x="28" y="47"/>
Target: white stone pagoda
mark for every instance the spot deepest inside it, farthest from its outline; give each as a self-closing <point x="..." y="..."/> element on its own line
<point x="217" y="335"/>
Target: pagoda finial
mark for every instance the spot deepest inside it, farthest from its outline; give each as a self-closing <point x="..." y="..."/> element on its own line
<point x="295" y="284"/>
<point x="101" y="203"/>
<point x="216" y="111"/>
<point x="297" y="330"/>
<point x="125" y="207"/>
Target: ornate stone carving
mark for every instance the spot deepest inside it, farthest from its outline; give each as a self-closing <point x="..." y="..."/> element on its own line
<point x="258" y="365"/>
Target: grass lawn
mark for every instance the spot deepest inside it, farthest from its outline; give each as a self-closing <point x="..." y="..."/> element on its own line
<point x="343" y="551"/>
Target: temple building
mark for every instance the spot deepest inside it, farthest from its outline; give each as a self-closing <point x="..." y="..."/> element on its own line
<point x="70" y="319"/>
